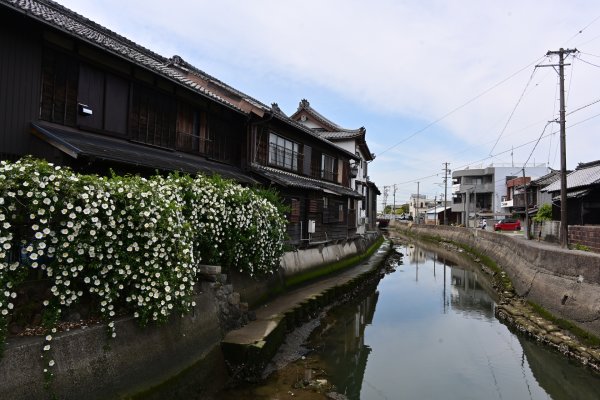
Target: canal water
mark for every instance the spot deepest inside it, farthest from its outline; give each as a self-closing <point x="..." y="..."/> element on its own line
<point x="428" y="331"/>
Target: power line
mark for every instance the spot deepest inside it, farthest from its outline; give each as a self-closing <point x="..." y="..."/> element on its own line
<point x="579" y="32"/>
<point x="587" y="62"/>
<point x="514" y="109"/>
<point x="461" y="106"/>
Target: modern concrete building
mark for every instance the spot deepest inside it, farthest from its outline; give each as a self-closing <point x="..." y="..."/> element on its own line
<point x="478" y="192"/>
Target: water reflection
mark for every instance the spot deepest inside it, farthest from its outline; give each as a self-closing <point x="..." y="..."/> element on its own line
<point x="340" y="344"/>
<point x="434" y="335"/>
<point x="427" y="332"/>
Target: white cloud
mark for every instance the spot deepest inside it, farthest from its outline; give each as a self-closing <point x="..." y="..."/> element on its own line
<point x="411" y="62"/>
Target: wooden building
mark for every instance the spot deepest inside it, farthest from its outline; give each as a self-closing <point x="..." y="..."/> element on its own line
<point x="78" y="94"/>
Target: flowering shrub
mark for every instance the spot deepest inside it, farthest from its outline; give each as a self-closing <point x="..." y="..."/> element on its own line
<point x="127" y="243"/>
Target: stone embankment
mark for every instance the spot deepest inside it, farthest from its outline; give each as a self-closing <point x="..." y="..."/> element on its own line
<point x="524" y="273"/>
<point x="89" y="364"/>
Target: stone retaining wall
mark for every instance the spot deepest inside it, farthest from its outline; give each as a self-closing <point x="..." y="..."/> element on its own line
<point x="91" y="366"/>
<point x="565" y="282"/>
<point x="298" y="262"/>
<point x="587" y="235"/>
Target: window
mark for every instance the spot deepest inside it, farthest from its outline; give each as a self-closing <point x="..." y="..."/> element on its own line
<point x="152" y="119"/>
<point x="191" y="129"/>
<point x="295" y="210"/>
<point x="328" y="168"/>
<point x="60" y="74"/>
<point x="283" y="152"/>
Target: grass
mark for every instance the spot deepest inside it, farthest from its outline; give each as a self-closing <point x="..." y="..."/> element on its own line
<point x="321" y="271"/>
<point x="586" y="337"/>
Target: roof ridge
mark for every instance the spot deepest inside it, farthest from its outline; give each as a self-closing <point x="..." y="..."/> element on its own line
<point x="78" y="26"/>
<point x="305" y="105"/>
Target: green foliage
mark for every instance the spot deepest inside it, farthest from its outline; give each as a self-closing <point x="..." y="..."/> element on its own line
<point x="586" y="337"/>
<point x="126" y="242"/>
<point x="582" y="247"/>
<point x="544" y="213"/>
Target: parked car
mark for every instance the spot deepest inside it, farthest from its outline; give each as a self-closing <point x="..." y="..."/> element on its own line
<point x="508" y="225"/>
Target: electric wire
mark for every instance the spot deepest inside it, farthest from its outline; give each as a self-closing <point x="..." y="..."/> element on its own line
<point x="514" y="109"/>
<point x="587" y="62"/>
<point x="461" y="106"/>
<point x="579" y="32"/>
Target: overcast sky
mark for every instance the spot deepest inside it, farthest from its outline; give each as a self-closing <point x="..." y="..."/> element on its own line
<point x="431" y="81"/>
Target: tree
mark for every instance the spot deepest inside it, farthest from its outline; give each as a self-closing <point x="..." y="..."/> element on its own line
<point x="544" y="213"/>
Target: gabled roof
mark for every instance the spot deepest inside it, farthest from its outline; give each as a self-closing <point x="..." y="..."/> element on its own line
<point x="280" y="115"/>
<point x="332" y="131"/>
<point x="174" y="69"/>
<point x="547" y="179"/>
<point x="327" y="124"/>
<point x="586" y="174"/>
<point x="75" y="25"/>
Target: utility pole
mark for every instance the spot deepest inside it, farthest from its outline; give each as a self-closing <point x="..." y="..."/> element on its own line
<point x="385" y="194"/>
<point x="417" y="208"/>
<point x="446" y="170"/>
<point x="564" y="228"/>
<point x="394" y="206"/>
<point x="526" y="207"/>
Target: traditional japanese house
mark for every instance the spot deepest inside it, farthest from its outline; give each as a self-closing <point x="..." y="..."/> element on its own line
<point x="96" y="101"/>
<point x="354" y="141"/>
<point x="78" y="94"/>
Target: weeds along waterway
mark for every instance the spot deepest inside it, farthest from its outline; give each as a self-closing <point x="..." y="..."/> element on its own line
<point x="427" y="331"/>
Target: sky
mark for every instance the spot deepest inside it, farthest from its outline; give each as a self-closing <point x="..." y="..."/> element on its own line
<point x="463" y="82"/>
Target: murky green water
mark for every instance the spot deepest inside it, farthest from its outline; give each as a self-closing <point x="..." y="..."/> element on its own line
<point x="427" y="332"/>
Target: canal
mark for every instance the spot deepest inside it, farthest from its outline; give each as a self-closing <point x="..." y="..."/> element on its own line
<point x="427" y="331"/>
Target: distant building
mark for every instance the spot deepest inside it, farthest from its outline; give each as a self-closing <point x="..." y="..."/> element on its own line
<point x="478" y="192"/>
<point x="583" y="195"/>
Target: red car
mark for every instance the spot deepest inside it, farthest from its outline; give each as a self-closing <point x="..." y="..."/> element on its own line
<point x="508" y="225"/>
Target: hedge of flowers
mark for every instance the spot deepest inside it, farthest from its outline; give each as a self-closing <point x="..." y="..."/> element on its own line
<point x="126" y="242"/>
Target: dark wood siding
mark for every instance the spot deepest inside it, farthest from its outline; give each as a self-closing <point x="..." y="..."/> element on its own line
<point x="91" y="93"/>
<point x="60" y="75"/>
<point x="20" y="60"/>
<point x="152" y="119"/>
<point x="116" y="105"/>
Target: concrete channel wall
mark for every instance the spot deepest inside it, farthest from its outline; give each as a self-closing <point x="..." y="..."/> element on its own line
<point x="89" y="365"/>
<point x="564" y="282"/>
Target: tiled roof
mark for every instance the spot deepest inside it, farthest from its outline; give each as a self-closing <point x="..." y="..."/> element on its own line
<point x="78" y="144"/>
<point x="331" y="126"/>
<point x="546" y="179"/>
<point x="289" y="179"/>
<point x="342" y="134"/>
<point x="174" y="68"/>
<point x="60" y="17"/>
<point x="333" y="131"/>
<point x="277" y="113"/>
<point x="580" y="178"/>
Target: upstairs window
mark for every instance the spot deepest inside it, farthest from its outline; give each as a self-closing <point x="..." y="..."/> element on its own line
<point x="328" y="171"/>
<point x="60" y="74"/>
<point x="283" y="152"/>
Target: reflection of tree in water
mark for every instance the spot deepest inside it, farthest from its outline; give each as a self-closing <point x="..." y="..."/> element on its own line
<point x="340" y="344"/>
<point x="468" y="296"/>
<point x="561" y="379"/>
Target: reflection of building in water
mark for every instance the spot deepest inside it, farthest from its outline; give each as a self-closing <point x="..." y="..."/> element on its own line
<point x="556" y="375"/>
<point x="467" y="295"/>
<point x="415" y="254"/>
<point x="346" y="361"/>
